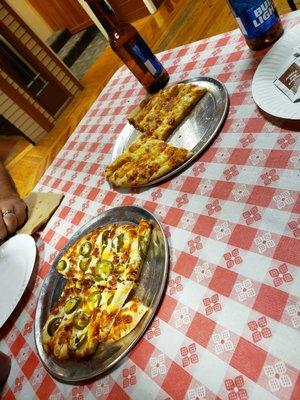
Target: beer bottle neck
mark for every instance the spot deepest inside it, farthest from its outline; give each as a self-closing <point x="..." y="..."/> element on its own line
<point x="108" y="18"/>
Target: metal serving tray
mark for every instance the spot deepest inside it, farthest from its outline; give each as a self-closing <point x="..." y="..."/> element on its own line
<point x="150" y="288"/>
<point x="196" y="131"/>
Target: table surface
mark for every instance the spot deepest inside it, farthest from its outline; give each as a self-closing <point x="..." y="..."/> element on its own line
<point x="228" y="326"/>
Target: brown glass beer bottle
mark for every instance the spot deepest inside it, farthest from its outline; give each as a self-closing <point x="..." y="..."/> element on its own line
<point x="128" y="44"/>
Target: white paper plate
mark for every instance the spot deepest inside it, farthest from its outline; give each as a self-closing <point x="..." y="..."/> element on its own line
<point x="17" y="257"/>
<point x="265" y="94"/>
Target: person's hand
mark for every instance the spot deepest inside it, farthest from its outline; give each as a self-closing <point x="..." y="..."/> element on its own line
<point x="13" y="214"/>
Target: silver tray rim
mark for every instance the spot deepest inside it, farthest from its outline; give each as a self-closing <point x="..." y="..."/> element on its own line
<point x="167" y="176"/>
<point x="90" y="225"/>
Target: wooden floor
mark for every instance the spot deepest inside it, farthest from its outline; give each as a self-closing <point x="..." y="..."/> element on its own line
<point x="177" y="22"/>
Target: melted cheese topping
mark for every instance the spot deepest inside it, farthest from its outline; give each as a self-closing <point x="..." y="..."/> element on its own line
<point x="98" y="302"/>
<point x="127" y="319"/>
<point x="153" y="159"/>
<point x="161" y="113"/>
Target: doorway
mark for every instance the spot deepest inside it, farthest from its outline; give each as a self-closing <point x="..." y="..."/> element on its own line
<point x="60" y="14"/>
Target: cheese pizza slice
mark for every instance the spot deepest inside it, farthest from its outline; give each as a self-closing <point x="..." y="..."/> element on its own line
<point x="127" y="319"/>
<point x="111" y="303"/>
<point x="83" y="320"/>
<point x="73" y="296"/>
<point x="159" y="114"/>
<point x="78" y="338"/>
<point x="115" y="249"/>
<point x="83" y="258"/>
<point x="76" y="261"/>
<point x="99" y="321"/>
<point x="144" y="161"/>
<point x="107" y="255"/>
<point x="138" y="251"/>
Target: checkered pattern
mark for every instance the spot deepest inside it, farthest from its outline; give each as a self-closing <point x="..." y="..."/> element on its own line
<point x="228" y="326"/>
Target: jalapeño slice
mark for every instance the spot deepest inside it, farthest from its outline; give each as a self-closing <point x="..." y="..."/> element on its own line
<point x="79" y="340"/>
<point x="78" y="285"/>
<point x="84" y="263"/>
<point x="120" y="242"/>
<point x="109" y="301"/>
<point x="104" y="238"/>
<point x="95" y="298"/>
<point x="53" y="325"/>
<point x="103" y="268"/>
<point x="143" y="246"/>
<point x="81" y="320"/>
<point x="120" y="268"/>
<point x="61" y="265"/>
<point x="90" y="277"/>
<point x="71" y="305"/>
<point x="85" y="249"/>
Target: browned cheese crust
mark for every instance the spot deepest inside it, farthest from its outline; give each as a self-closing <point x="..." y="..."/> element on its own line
<point x="160" y="114"/>
<point x="143" y="163"/>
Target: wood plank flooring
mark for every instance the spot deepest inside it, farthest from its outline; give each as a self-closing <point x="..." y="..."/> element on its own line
<point x="177" y="22"/>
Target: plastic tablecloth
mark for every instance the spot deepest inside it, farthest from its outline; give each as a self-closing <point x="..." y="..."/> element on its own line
<point x="228" y="325"/>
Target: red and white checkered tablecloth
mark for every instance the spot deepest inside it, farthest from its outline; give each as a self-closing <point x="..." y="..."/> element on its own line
<point x="228" y="326"/>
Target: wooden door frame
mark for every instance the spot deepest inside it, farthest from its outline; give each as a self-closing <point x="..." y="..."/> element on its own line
<point x="25" y="105"/>
<point x="23" y="49"/>
<point x="57" y="18"/>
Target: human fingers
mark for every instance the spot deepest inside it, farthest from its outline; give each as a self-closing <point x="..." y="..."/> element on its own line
<point x="20" y="210"/>
<point x="10" y="219"/>
<point x="3" y="230"/>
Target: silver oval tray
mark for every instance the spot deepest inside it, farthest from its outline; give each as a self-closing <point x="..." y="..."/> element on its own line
<point x="195" y="132"/>
<point x="149" y="290"/>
